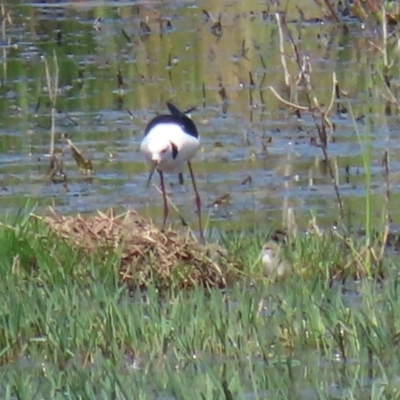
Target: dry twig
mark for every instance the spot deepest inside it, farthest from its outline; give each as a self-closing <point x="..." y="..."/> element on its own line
<point x="147" y="254"/>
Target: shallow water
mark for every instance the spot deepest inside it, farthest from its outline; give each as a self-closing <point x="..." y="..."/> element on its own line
<point x="255" y="150"/>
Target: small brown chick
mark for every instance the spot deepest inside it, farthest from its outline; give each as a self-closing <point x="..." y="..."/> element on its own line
<point x="273" y="260"/>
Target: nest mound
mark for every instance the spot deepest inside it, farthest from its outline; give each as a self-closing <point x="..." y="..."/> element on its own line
<point x="146" y="253"/>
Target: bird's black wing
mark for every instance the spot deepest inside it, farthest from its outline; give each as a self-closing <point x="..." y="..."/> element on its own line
<point x="175" y="110"/>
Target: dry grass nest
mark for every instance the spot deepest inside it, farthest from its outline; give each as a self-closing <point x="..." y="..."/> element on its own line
<point x="146" y="253"/>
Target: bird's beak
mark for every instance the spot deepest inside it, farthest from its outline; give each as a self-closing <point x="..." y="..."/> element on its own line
<point x="153" y="168"/>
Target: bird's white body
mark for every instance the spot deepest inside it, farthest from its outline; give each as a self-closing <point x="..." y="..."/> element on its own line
<point x="170" y="141"/>
<point x="158" y="147"/>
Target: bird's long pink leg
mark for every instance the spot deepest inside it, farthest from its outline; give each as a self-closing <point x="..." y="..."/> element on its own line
<point x="198" y="202"/>
<point x="166" y="210"/>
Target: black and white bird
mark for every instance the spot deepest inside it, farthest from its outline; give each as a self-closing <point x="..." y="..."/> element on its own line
<point x="170" y="141"/>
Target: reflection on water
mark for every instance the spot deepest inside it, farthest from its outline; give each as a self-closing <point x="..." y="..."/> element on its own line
<point x="118" y="64"/>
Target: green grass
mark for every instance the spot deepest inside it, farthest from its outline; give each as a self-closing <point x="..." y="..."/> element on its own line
<point x="69" y="330"/>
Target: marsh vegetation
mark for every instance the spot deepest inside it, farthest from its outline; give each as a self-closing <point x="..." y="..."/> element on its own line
<point x="297" y="107"/>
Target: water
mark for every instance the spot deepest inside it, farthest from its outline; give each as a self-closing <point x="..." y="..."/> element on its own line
<point x="114" y="77"/>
